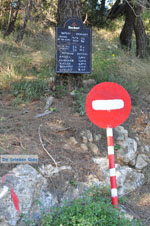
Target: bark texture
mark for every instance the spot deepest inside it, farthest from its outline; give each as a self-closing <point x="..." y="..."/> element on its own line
<point x="26" y="18"/>
<point x="133" y="22"/>
<point x="12" y="19"/>
<point x="127" y="30"/>
<point x="141" y="37"/>
<point x="68" y="8"/>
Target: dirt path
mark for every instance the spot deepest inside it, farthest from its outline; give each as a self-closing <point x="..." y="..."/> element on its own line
<point x="19" y="134"/>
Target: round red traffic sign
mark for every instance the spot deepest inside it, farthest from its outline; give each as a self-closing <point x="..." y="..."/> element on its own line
<point x="108" y="105"/>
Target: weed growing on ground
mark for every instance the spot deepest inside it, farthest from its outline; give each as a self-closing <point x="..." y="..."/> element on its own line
<point x="80" y="98"/>
<point x="59" y="92"/>
<point x="28" y="90"/>
<point x="93" y="209"/>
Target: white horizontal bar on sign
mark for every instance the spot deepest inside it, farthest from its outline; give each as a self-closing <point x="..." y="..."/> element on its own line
<point x="107" y="104"/>
<point x="112" y="172"/>
<point x="113" y="192"/>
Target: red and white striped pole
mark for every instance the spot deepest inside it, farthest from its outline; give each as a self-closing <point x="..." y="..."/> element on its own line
<point x="111" y="157"/>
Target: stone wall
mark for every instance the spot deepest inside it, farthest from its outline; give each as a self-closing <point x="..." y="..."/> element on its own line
<point x="31" y="185"/>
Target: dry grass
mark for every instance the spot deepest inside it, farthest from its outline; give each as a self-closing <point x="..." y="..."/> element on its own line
<point x="35" y="58"/>
<point x="117" y="64"/>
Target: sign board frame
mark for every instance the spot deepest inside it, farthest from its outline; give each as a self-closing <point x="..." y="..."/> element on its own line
<point x="73" y="47"/>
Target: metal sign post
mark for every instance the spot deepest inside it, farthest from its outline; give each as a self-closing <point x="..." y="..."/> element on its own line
<point x="111" y="157"/>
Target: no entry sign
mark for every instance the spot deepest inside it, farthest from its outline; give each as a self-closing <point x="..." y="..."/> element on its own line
<point x="108" y="105"/>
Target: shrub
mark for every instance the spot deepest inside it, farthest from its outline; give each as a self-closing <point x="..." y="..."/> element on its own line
<point x="91" y="210"/>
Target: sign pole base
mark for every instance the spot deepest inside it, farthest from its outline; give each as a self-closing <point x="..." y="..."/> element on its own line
<point x="111" y="157"/>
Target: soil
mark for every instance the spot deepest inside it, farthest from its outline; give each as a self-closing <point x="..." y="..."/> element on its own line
<point x="21" y="133"/>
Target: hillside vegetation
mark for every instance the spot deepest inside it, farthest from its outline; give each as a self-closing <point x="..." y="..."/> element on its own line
<point x="34" y="59"/>
<point x="25" y="72"/>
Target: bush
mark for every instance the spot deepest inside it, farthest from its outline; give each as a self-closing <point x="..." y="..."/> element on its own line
<point x="91" y="210"/>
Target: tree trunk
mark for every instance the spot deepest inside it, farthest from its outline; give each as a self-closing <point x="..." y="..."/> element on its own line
<point x="126" y="33"/>
<point x="141" y="37"/>
<point x="12" y="19"/>
<point x="102" y="8"/>
<point x="66" y="9"/>
<point x="134" y="22"/>
<point x="26" y="18"/>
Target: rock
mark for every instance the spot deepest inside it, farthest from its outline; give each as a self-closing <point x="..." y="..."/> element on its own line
<point x="84" y="139"/>
<point x="97" y="137"/>
<point x="137" y="140"/>
<point x="141" y="162"/>
<point x="141" y="149"/>
<point x="49" y="170"/>
<point x="132" y="162"/>
<point x="74" y="192"/>
<point x="120" y="131"/>
<point x="84" y="147"/>
<point x="104" y="168"/>
<point x="128" y="179"/>
<point x="29" y="186"/>
<point x="3" y="191"/>
<point x="88" y="82"/>
<point x="147" y="150"/>
<point x="127" y="152"/>
<point x="3" y="221"/>
<point x="49" y="102"/>
<point x="94" y="148"/>
<point x="147" y="173"/>
<point x="88" y="135"/>
<point x="72" y="141"/>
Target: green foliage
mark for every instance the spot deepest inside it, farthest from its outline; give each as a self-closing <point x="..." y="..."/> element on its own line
<point x="93" y="209"/>
<point x="146" y="20"/>
<point x="104" y="64"/>
<point x="27" y="221"/>
<point x="4" y="13"/>
<point x="73" y="183"/>
<point x="108" y="63"/>
<point x="123" y="199"/>
<point x="59" y="92"/>
<point x="95" y="11"/>
<point x="80" y="97"/>
<point x="53" y="109"/>
<point x="42" y="13"/>
<point x="28" y="90"/>
<point x="116" y="146"/>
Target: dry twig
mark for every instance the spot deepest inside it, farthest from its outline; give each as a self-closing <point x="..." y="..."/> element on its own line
<point x="43" y="146"/>
<point x="62" y="130"/>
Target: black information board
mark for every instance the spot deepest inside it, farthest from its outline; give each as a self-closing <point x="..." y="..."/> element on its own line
<point x="73" y="48"/>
